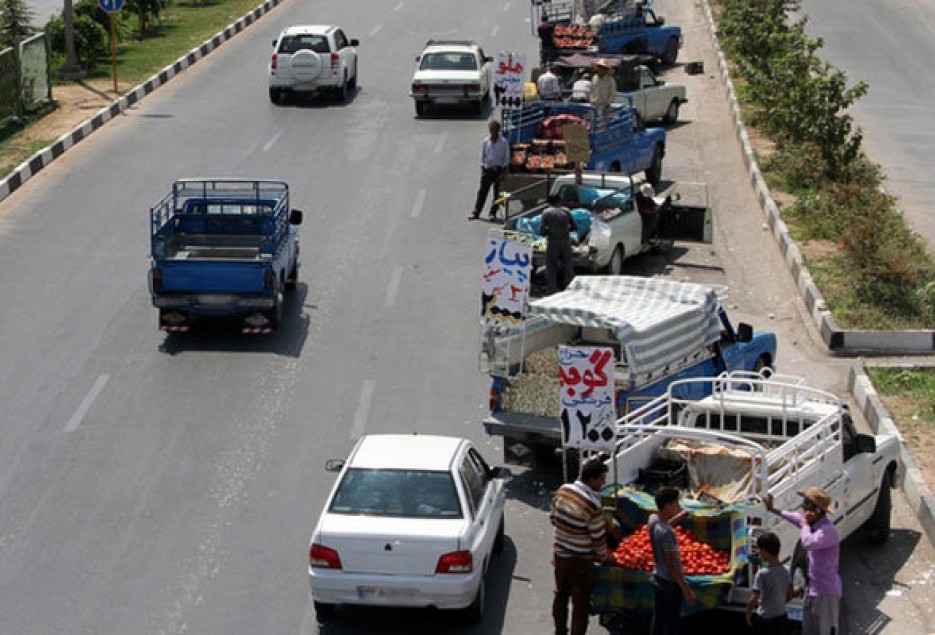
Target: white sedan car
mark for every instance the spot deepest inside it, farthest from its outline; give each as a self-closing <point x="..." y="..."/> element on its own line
<point x="413" y="520"/>
<point x="452" y="72"/>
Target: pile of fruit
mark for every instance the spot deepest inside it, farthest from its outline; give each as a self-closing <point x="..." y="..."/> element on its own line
<point x="542" y="154"/>
<point x="698" y="558"/>
<point x="572" y="36"/>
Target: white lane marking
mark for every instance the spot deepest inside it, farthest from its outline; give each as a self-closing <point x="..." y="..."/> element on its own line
<point x="440" y="144"/>
<point x="398" y="7"/>
<point x="375" y="30"/>
<point x="269" y="144"/>
<point x="86" y="404"/>
<point x="363" y="409"/>
<point x="493" y="31"/>
<point x="506" y="7"/>
<point x="393" y="289"/>
<point x="417" y="206"/>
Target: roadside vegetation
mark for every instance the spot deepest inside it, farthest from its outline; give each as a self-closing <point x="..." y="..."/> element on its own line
<point x="873" y="272"/>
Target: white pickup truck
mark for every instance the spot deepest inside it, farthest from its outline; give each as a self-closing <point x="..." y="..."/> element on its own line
<point x="755" y="436"/>
<point x="653" y="98"/>
<point x="611" y="228"/>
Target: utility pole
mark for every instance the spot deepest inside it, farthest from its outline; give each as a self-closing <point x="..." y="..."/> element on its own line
<point x="71" y="70"/>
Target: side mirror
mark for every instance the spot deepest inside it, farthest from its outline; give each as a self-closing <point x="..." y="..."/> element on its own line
<point x="334" y="465"/>
<point x="501" y="472"/>
<point x="295" y="217"/>
<point x="744" y="332"/>
<point x="418" y="58"/>
<point x="274" y="43"/>
<point x="866" y="444"/>
<point x="660" y="20"/>
<point x="355" y="42"/>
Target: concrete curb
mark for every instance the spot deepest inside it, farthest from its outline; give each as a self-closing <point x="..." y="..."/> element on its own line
<point x="839" y="341"/>
<point x="914" y="486"/>
<point x="45" y="156"/>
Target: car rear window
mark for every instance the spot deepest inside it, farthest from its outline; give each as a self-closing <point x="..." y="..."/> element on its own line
<point x="448" y="62"/>
<point x="293" y="43"/>
<point x="402" y="493"/>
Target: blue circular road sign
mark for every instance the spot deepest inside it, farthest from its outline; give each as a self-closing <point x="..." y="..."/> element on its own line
<point x="111" y="5"/>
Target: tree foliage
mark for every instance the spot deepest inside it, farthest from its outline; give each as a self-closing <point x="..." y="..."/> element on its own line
<point x="146" y="11"/>
<point x="15" y="22"/>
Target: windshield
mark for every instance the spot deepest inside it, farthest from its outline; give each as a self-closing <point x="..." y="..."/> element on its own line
<point x="402" y="493"/>
<point x="448" y="61"/>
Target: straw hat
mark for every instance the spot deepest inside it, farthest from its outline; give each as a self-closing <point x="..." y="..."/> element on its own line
<point x="819" y="497"/>
<point x="603" y="63"/>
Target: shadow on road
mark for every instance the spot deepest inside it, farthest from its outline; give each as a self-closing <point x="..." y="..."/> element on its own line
<point x="223" y="334"/>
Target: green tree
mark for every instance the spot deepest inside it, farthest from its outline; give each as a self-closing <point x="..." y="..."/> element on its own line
<point x="147" y="11"/>
<point x="15" y="22"/>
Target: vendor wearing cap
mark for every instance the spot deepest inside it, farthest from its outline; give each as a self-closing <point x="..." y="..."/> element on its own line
<point x="822" y="543"/>
<point x="603" y="87"/>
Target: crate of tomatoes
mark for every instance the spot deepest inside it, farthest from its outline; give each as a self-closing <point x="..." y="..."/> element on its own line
<point x="712" y="547"/>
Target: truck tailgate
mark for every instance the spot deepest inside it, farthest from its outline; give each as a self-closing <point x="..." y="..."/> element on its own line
<point x="523" y="426"/>
<point x="212" y="276"/>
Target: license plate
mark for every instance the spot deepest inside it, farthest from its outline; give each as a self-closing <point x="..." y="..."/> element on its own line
<point x="447" y="100"/>
<point x="381" y="593"/>
<point x="216" y="300"/>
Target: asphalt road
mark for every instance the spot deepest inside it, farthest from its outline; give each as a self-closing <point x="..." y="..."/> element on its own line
<point x="890" y="45"/>
<point x="153" y="484"/>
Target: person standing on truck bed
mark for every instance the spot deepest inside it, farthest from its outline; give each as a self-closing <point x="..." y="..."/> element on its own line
<point x="821" y="541"/>
<point x="549" y="88"/>
<point x="494" y="160"/>
<point x="669" y="585"/>
<point x="581" y="89"/>
<point x="604" y="88"/>
<point x="557" y="223"/>
<point x="580" y="542"/>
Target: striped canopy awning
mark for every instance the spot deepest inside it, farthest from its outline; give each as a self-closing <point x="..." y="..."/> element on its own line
<point x="656" y="321"/>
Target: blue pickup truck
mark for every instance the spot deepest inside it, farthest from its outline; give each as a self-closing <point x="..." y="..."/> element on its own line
<point x="223" y="247"/>
<point x="619" y="27"/>
<point x="619" y="141"/>
<point x="661" y="331"/>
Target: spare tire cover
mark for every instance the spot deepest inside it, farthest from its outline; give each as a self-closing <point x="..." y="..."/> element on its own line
<point x="306" y="65"/>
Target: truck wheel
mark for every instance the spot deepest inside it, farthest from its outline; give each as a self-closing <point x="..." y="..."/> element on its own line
<point x="344" y="92"/>
<point x="420" y="108"/>
<point x="293" y="280"/>
<point x="671" y="52"/>
<point x="356" y="76"/>
<point x="654" y="173"/>
<point x="615" y="266"/>
<point x="672" y="112"/>
<point x="877" y="526"/>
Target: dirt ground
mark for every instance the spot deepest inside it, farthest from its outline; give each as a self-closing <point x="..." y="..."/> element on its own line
<point x="76" y="102"/>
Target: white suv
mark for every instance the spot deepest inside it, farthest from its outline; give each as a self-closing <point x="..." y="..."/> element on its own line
<point x="311" y="58"/>
<point x="451" y="72"/>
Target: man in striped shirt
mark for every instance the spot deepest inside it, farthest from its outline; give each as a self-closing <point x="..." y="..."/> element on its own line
<point x="580" y="542"/>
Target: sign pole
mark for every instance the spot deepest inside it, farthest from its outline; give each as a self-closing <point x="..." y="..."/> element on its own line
<point x="113" y="48"/>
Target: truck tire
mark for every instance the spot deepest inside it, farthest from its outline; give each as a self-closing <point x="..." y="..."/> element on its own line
<point x="420" y="108"/>
<point x="353" y="84"/>
<point x="344" y="93"/>
<point x="615" y="266"/>
<point x="672" y="112"/>
<point x="877" y="526"/>
<point x="292" y="280"/>
<point x="672" y="51"/>
<point x="654" y="173"/>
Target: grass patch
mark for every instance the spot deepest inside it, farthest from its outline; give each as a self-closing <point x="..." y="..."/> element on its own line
<point x="909" y="395"/>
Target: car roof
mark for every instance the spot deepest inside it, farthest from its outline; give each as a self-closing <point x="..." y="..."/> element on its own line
<point x="309" y="29"/>
<point x="406" y="451"/>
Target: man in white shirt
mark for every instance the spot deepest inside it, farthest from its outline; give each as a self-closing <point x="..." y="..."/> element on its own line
<point x="604" y="88"/>
<point x="494" y="161"/>
<point x="581" y="89"/>
<point x="548" y="85"/>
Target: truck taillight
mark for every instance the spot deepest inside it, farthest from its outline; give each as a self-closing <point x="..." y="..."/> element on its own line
<point x="455" y="562"/>
<point x="471" y="88"/>
<point x="494" y="398"/>
<point x="418" y="88"/>
<point x="321" y="557"/>
<point x="156" y="278"/>
<point x="269" y="280"/>
<point x="272" y="64"/>
<point x="335" y="63"/>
